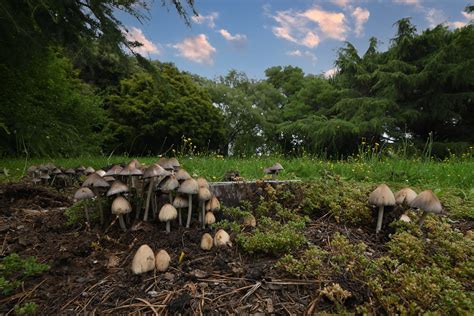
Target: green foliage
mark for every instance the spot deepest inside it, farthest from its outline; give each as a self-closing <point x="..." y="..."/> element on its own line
<point x="309" y="264"/>
<point x="26" y="309"/>
<point x="75" y="214"/>
<point x="273" y="237"/>
<point x="14" y="269"/>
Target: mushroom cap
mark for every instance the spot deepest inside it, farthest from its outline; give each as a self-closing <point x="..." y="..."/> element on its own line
<point x="57" y="171"/>
<point x="121" y="206"/>
<point x="162" y="260"/>
<point x="250" y="220"/>
<point x="45" y="176"/>
<point x="32" y="169"/>
<point x="204" y="194"/>
<point x="169" y="184"/>
<point x="210" y="218"/>
<point x="43" y="168"/>
<point x="268" y="170"/>
<point x="131" y="170"/>
<point x="405" y="195"/>
<point x="222" y="238"/>
<point x="276" y="167"/>
<point x="162" y="161"/>
<point x="89" y="170"/>
<point x="83" y="194"/>
<point x="206" y="242"/>
<point x="213" y="204"/>
<point x="174" y="162"/>
<point x="109" y="178"/>
<point x="95" y="181"/>
<point x="180" y="202"/>
<point x="135" y="163"/>
<point x="36" y="180"/>
<point x="166" y="164"/>
<point x="428" y="202"/>
<point x="154" y="170"/>
<point x="202" y="183"/>
<point x="405" y="218"/>
<point x="189" y="186"/>
<point x="70" y="171"/>
<point x="80" y="169"/>
<point x="167" y="213"/>
<point x="182" y="175"/>
<point x="117" y="188"/>
<point x="382" y="196"/>
<point x="144" y="260"/>
<point x="115" y="170"/>
<point x="100" y="172"/>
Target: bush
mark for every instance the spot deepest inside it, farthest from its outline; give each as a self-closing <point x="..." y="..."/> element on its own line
<point x="13" y="270"/>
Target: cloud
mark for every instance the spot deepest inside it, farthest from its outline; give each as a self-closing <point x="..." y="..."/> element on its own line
<point x="436" y="16"/>
<point x="341" y="3"/>
<point x="239" y="39"/>
<point x="330" y="72"/>
<point x="309" y="27"/>
<point x="468" y="16"/>
<point x="208" y="19"/>
<point x="306" y="54"/>
<point x="136" y="35"/>
<point x="196" y="49"/>
<point x="416" y="3"/>
<point x="361" y="16"/>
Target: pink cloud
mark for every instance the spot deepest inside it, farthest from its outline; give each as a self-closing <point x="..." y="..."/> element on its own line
<point x="232" y="38"/>
<point x="136" y="35"/>
<point x="331" y="23"/>
<point x="416" y="3"/>
<point x="341" y="3"/>
<point x="361" y="16"/>
<point x="330" y="72"/>
<point x="208" y="19"/>
<point x="197" y="49"/>
<point x="305" y="54"/>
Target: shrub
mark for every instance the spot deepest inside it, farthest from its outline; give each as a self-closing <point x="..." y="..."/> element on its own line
<point x="309" y="264"/>
<point x="13" y="270"/>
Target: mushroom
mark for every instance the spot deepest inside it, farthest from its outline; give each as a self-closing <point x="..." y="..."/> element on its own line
<point x="162" y="260"/>
<point x="117" y="187"/>
<point x="249" y="220"/>
<point x="144" y="260"/>
<point x="89" y="170"/>
<point x="274" y="170"/>
<point x="96" y="182"/>
<point x="202" y="182"/>
<point x="174" y="163"/>
<point x="428" y="203"/>
<point x="206" y="242"/>
<point x="80" y="169"/>
<point x="182" y="175"/>
<point x="32" y="170"/>
<point x="151" y="173"/>
<point x="84" y="194"/>
<point x="114" y="171"/>
<point x="180" y="202"/>
<point x="405" y="218"/>
<point x="204" y="195"/>
<point x="189" y="187"/>
<point x="382" y="196"/>
<point x="222" y="238"/>
<point x="405" y="195"/>
<point x="100" y="172"/>
<point x="213" y="204"/>
<point x="121" y="206"/>
<point x="167" y="213"/>
<point x="210" y="218"/>
<point x="169" y="185"/>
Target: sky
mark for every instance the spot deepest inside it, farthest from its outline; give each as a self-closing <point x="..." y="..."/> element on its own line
<point x="253" y="35"/>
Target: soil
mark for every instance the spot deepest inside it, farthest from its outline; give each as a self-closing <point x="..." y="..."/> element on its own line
<point x="90" y="267"/>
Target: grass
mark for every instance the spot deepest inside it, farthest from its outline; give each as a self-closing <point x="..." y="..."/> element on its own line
<point x="450" y="174"/>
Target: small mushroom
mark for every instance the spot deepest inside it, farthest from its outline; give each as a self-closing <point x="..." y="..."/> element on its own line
<point x="202" y="182"/>
<point x="169" y="184"/>
<point x="152" y="173"/>
<point x="428" y="202"/>
<point x="189" y="187"/>
<point x="117" y="187"/>
<point x="206" y="242"/>
<point x="405" y="195"/>
<point x="100" y="172"/>
<point x="250" y="221"/>
<point x="144" y="260"/>
<point x="405" y="218"/>
<point x="204" y="195"/>
<point x="174" y="163"/>
<point x="84" y="194"/>
<point x="97" y="183"/>
<point x="222" y="238"/>
<point x="274" y="170"/>
<point x="210" y="218"/>
<point x="162" y="260"/>
<point x="213" y="204"/>
<point x="121" y="206"/>
<point x="179" y="203"/>
<point x="382" y="196"/>
<point x="89" y="170"/>
<point x="114" y="171"/>
<point x="167" y="213"/>
<point x="182" y="175"/>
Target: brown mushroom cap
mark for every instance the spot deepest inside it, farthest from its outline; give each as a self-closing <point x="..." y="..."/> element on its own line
<point x="222" y="238"/>
<point x="167" y="213"/>
<point x="213" y="204"/>
<point x="162" y="260"/>
<point x="144" y="260"/>
<point x="154" y="170"/>
<point x="95" y="181"/>
<point x="89" y="170"/>
<point x="204" y="194"/>
<point x="189" y="186"/>
<point x="428" y="202"/>
<point x="276" y="167"/>
<point x="131" y="170"/>
<point x="406" y="195"/>
<point x="180" y="202"/>
<point x="115" y="170"/>
<point x="182" y="175"/>
<point x="206" y="242"/>
<point x="83" y="194"/>
<point x="202" y="183"/>
<point x="100" y="172"/>
<point x="210" y="218"/>
<point x="169" y="184"/>
<point x="382" y="196"/>
<point x="121" y="206"/>
<point x="70" y="171"/>
<point x="174" y="162"/>
<point x="117" y="187"/>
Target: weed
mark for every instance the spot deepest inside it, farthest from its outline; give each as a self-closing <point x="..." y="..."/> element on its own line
<point x="26" y="309"/>
<point x="13" y="270"/>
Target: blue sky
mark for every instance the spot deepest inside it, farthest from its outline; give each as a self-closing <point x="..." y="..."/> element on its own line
<point x="253" y="35"/>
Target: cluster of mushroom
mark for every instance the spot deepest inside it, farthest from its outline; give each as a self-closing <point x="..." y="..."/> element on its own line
<point x="426" y="201"/>
<point x="138" y="183"/>
<point x="49" y="173"/>
<point x="145" y="260"/>
<point x="221" y="238"/>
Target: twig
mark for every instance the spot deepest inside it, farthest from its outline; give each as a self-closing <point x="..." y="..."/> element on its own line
<point x="250" y="292"/>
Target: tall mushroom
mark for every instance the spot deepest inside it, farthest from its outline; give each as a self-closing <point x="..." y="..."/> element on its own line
<point x="204" y="195"/>
<point x="167" y="213"/>
<point x="428" y="202"/>
<point x="182" y="175"/>
<point x="121" y="206"/>
<point x="97" y="183"/>
<point x="117" y="187"/>
<point x="151" y="173"/>
<point x="168" y="185"/>
<point x="84" y="194"/>
<point x="179" y="203"/>
<point x="382" y="196"/>
<point x="189" y="187"/>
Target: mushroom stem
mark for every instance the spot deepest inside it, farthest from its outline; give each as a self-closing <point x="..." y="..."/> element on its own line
<point x="147" y="204"/>
<point x="190" y="209"/>
<point x="87" y="213"/>
<point x="171" y="197"/>
<point x="122" y="222"/>
<point x="101" y="212"/>
<point x="203" y="215"/>
<point x="274" y="176"/>
<point x="179" y="217"/>
<point x="168" y="227"/>
<point x="422" y="218"/>
<point x="379" y="220"/>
